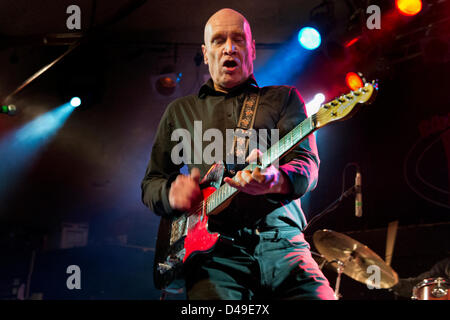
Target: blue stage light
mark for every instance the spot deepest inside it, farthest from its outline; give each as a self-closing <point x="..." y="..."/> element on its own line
<point x="284" y="66"/>
<point x="309" y="38"/>
<point x="75" y="102"/>
<point x="19" y="148"/>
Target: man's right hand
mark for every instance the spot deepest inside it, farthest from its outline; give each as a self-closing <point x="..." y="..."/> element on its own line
<point x="185" y="192"/>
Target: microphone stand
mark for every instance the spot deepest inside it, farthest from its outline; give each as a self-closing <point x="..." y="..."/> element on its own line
<point x="333" y="206"/>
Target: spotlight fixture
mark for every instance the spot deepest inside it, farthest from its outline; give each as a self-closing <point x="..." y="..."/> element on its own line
<point x="75" y="102"/>
<point x="314" y="105"/>
<point x="409" y="7"/>
<point x="309" y="38"/>
<point x="354" y="80"/>
<point x="166" y="84"/>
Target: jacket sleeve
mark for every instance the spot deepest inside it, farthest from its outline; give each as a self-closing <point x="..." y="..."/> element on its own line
<point x="301" y="165"/>
<point x="161" y="171"/>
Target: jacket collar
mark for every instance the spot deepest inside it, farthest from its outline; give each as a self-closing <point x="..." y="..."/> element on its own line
<point x="208" y="88"/>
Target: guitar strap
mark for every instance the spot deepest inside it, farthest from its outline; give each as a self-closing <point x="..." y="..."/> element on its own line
<point x="243" y="130"/>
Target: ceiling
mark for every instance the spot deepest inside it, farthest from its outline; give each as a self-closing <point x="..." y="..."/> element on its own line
<point x="156" y="20"/>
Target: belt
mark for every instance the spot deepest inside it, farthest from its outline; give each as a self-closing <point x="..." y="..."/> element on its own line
<point x="257" y="233"/>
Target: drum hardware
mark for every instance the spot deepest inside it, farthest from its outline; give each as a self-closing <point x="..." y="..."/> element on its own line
<point x="352" y="258"/>
<point x="320" y="259"/>
<point x="431" y="289"/>
<point x="340" y="270"/>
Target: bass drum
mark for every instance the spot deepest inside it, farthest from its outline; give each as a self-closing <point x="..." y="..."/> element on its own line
<point x="431" y="289"/>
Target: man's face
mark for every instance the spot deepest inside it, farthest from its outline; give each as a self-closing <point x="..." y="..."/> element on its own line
<point x="229" y="50"/>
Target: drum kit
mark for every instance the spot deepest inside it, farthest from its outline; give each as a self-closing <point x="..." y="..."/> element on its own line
<point x="354" y="259"/>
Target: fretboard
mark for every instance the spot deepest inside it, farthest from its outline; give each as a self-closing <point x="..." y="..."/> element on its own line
<point x="274" y="153"/>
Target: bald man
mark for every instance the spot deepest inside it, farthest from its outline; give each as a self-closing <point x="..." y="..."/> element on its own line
<point x="261" y="253"/>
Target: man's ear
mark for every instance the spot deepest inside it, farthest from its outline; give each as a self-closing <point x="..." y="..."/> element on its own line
<point x="254" y="50"/>
<point x="205" y="57"/>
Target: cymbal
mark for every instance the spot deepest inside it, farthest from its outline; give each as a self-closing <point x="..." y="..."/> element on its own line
<point x="356" y="259"/>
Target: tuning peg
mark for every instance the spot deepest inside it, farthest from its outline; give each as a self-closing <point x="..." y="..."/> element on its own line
<point x="375" y="84"/>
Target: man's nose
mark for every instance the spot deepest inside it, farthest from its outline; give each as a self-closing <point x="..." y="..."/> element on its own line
<point x="230" y="47"/>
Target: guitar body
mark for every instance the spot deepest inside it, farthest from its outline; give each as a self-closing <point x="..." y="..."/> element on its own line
<point x="182" y="237"/>
<point x="198" y="237"/>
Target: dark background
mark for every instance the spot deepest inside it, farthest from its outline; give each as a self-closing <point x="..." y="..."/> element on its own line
<point x="90" y="171"/>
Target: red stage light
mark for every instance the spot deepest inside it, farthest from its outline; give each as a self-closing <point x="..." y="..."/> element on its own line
<point x="409" y="7"/>
<point x="353" y="81"/>
<point x="352" y="41"/>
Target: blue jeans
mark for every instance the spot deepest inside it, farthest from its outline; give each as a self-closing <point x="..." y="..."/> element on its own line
<point x="272" y="264"/>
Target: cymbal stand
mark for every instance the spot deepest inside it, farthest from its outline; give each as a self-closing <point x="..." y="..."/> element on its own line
<point x="324" y="262"/>
<point x="340" y="270"/>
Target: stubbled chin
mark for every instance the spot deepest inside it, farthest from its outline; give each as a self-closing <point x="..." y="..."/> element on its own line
<point x="234" y="77"/>
<point x="230" y="83"/>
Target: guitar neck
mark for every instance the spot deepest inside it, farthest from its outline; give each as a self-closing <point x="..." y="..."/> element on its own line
<point x="273" y="154"/>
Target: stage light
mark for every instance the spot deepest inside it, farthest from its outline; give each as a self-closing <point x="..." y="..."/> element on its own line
<point x="408" y="7"/>
<point x="354" y="81"/>
<point x="19" y="148"/>
<point x="167" y="84"/>
<point x="9" y="110"/>
<point x="284" y="66"/>
<point x="314" y="105"/>
<point x="352" y="41"/>
<point x="75" y="102"/>
<point x="320" y="97"/>
<point x="309" y="38"/>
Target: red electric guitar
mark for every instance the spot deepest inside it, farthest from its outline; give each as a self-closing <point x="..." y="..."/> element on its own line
<point x="180" y="238"/>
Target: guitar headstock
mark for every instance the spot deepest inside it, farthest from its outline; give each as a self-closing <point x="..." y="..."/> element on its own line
<point x="344" y="106"/>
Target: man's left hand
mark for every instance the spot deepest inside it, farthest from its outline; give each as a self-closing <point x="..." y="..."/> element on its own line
<point x="258" y="182"/>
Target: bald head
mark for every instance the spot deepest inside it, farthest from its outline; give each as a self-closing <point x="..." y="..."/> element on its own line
<point x="225" y="17"/>
<point x="229" y="49"/>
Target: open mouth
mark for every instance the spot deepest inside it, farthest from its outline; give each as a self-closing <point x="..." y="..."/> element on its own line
<point x="230" y="65"/>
